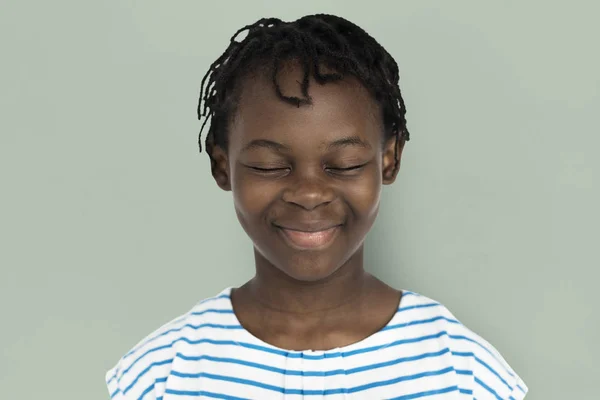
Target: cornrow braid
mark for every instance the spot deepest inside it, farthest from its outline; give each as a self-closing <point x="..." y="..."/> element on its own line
<point x="313" y="40"/>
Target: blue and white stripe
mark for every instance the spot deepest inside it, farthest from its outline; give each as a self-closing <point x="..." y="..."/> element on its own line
<point x="422" y="353"/>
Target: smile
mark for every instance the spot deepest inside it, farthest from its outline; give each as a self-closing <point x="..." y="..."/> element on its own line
<point x="313" y="240"/>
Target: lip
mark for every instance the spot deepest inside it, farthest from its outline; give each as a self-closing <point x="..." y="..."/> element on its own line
<point x="309" y="238"/>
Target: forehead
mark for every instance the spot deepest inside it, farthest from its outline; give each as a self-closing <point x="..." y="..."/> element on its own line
<point x="337" y="109"/>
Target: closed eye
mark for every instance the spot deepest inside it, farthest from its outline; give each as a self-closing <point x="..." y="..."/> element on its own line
<point x="268" y="169"/>
<point x="354" y="169"/>
<point x="347" y="168"/>
<point x="273" y="172"/>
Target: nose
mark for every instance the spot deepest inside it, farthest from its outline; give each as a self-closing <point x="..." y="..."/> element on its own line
<point x="309" y="193"/>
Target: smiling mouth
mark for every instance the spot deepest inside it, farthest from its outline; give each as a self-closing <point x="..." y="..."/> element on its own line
<point x="305" y="240"/>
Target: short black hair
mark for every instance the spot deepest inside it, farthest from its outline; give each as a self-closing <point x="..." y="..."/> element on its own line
<point x="313" y="40"/>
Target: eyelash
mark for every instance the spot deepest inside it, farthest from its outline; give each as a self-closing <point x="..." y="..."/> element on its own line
<point x="268" y="171"/>
<point x="345" y="171"/>
<point x="355" y="167"/>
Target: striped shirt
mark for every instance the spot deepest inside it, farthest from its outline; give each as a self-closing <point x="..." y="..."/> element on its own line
<point x="422" y="353"/>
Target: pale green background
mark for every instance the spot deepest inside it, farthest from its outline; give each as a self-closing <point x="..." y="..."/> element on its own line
<point x="111" y="226"/>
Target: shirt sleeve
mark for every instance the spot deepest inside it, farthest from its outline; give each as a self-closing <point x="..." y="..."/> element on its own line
<point x="519" y="390"/>
<point x="112" y="384"/>
<point x="117" y="391"/>
<point x="494" y="379"/>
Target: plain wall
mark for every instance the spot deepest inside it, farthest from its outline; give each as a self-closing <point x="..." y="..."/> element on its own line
<point x="110" y="224"/>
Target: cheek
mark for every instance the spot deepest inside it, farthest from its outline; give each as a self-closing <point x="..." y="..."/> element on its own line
<point x="251" y="197"/>
<point x="365" y="194"/>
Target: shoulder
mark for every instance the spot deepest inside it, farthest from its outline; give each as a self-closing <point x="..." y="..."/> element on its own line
<point x="143" y="369"/>
<point x="474" y="357"/>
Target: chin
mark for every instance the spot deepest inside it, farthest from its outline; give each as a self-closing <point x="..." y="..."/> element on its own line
<point x="306" y="268"/>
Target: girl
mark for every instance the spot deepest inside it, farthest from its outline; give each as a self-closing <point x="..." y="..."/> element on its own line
<point x="307" y="123"/>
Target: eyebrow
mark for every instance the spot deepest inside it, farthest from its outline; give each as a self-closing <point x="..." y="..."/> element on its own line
<point x="348" y="141"/>
<point x="336" y="144"/>
<point x="265" y="144"/>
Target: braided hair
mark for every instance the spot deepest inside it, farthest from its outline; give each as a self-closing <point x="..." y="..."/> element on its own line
<point x="313" y="41"/>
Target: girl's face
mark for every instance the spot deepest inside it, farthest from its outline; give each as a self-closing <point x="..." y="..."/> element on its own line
<point x="306" y="180"/>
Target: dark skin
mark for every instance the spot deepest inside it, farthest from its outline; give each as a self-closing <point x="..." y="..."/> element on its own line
<point x="308" y="168"/>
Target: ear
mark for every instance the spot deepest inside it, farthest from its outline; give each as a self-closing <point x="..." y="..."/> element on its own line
<point x="391" y="166"/>
<point x="219" y="166"/>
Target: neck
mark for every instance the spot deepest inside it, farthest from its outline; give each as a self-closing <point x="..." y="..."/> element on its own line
<point x="275" y="290"/>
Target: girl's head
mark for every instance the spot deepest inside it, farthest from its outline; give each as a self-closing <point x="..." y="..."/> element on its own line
<point x="306" y="123"/>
